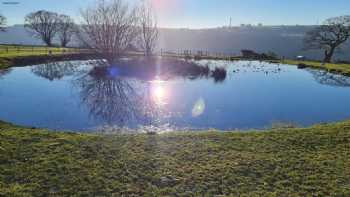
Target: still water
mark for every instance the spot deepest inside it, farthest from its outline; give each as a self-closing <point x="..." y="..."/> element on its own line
<point x="93" y="95"/>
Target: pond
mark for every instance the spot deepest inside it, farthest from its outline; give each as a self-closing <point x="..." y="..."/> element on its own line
<point x="132" y="96"/>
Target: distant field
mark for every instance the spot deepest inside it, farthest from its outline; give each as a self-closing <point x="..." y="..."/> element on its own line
<point x="10" y="52"/>
<point x="14" y="50"/>
<point x="7" y="52"/>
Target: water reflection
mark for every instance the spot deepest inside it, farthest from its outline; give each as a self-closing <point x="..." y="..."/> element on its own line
<point x="259" y="67"/>
<point x="219" y="74"/>
<point x="55" y="70"/>
<point x="136" y="95"/>
<point x="4" y="72"/>
<point x="133" y="92"/>
<point x="130" y="93"/>
<point x="166" y="69"/>
<point x="158" y="92"/>
<point x="113" y="99"/>
<point x="326" y="78"/>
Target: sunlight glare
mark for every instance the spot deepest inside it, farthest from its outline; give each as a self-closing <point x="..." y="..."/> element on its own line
<point x="158" y="92"/>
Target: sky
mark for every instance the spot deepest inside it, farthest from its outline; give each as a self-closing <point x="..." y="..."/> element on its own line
<point x="201" y="13"/>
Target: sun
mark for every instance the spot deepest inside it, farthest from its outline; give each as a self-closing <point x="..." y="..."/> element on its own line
<point x="159" y="92"/>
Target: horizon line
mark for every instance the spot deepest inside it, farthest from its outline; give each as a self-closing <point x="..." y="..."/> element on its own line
<point x="219" y="27"/>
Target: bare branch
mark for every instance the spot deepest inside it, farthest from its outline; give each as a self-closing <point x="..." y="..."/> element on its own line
<point x="329" y="36"/>
<point x="43" y="24"/>
<point x="109" y="27"/>
<point x="66" y="30"/>
<point x="149" y="30"/>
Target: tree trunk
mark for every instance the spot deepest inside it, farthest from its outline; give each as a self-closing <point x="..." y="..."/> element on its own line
<point x="63" y="43"/>
<point x="328" y="55"/>
<point x="48" y="42"/>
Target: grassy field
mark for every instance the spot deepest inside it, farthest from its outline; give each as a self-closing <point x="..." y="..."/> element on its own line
<point x="313" y="161"/>
<point x="14" y="51"/>
<point x="9" y="52"/>
<point x="343" y="69"/>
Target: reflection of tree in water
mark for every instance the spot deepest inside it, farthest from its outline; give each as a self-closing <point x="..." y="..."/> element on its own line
<point x="168" y="68"/>
<point x="327" y="78"/>
<point x="4" y="72"/>
<point x="123" y="94"/>
<point x="55" y="70"/>
<point x="114" y="99"/>
<point x="219" y="74"/>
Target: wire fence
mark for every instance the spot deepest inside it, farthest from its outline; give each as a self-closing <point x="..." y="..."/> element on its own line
<point x="9" y="49"/>
<point x="198" y="54"/>
<point x="32" y="50"/>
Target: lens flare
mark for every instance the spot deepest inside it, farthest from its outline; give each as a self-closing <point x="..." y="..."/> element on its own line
<point x="198" y="108"/>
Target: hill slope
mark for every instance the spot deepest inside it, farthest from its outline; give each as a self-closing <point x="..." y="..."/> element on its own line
<point x="283" y="40"/>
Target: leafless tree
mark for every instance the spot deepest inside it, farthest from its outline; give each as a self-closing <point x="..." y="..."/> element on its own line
<point x="149" y="30"/>
<point x="109" y="27"/>
<point x="66" y="29"/>
<point x="329" y="36"/>
<point x="2" y="23"/>
<point x="43" y="24"/>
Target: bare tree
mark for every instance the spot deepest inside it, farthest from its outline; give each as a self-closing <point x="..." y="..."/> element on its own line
<point x="149" y="30"/>
<point x="109" y="27"/>
<point x="66" y="29"/>
<point x="329" y="36"/>
<point x="43" y="24"/>
<point x="2" y="23"/>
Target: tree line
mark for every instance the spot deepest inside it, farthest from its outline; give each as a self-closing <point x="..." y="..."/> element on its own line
<point x="107" y="27"/>
<point x="110" y="27"/>
<point x="47" y="25"/>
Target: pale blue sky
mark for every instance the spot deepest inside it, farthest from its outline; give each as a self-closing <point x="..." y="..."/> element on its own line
<point x="203" y="13"/>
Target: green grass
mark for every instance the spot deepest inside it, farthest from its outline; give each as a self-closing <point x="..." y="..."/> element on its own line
<point x="343" y="69"/>
<point x="282" y="162"/>
<point x="14" y="51"/>
<point x="9" y="52"/>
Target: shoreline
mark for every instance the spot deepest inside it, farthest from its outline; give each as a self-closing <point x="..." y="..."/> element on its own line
<point x="341" y="69"/>
<point x="26" y="60"/>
